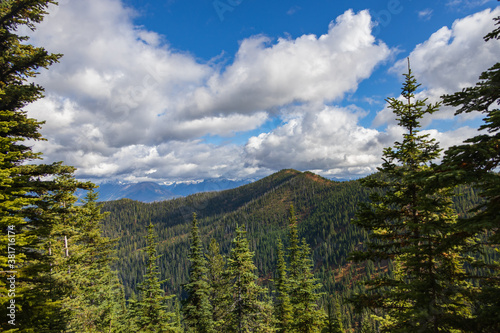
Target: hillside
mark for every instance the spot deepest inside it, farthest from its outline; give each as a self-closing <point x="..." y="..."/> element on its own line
<point x="324" y="210"/>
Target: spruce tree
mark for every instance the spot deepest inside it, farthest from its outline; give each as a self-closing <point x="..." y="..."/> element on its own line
<point x="248" y="310"/>
<point x="197" y="308"/>
<point x="476" y="163"/>
<point x="218" y="284"/>
<point x="95" y="298"/>
<point x="34" y="198"/>
<point x="282" y="306"/>
<point x="412" y="222"/>
<point x="304" y="287"/>
<point x="333" y="322"/>
<point x="149" y="313"/>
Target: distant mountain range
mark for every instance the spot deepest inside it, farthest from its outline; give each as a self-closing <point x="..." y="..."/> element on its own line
<point x="151" y="192"/>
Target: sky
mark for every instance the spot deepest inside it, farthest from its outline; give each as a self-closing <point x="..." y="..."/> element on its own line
<point x="183" y="90"/>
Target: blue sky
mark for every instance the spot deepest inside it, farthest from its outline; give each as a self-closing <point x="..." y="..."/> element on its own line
<point x="186" y="90"/>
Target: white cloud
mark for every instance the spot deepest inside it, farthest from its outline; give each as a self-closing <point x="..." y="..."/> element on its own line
<point x="450" y="60"/>
<point x="425" y="14"/>
<point x="306" y="69"/>
<point x="331" y="142"/>
<point x="328" y="139"/>
<point x="122" y="102"/>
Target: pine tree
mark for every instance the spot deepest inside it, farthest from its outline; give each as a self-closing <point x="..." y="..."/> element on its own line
<point x="94" y="302"/>
<point x="476" y="162"/>
<point x="304" y="295"/>
<point x="412" y="222"/>
<point x="333" y="318"/>
<point x="197" y="308"/>
<point x="248" y="312"/>
<point x="34" y="198"/>
<point x="282" y="307"/>
<point x="149" y="313"/>
<point x="218" y="284"/>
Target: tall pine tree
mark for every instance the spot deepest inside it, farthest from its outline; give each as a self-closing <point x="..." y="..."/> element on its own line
<point x="282" y="306"/>
<point x="96" y="302"/>
<point x="218" y="284"/>
<point x="248" y="311"/>
<point x="197" y="308"/>
<point x="412" y="222"/>
<point x="476" y="163"/>
<point x="304" y="287"/>
<point x="149" y="313"/>
<point x="34" y="198"/>
<point x="333" y="317"/>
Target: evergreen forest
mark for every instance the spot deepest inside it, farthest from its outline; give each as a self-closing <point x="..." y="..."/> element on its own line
<point x="411" y="248"/>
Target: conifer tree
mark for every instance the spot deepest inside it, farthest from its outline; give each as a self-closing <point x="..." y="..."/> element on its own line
<point x="248" y="312"/>
<point x="282" y="307"/>
<point x="34" y="198"/>
<point x="197" y="308"/>
<point x="333" y="318"/>
<point x="149" y="313"/>
<point x="94" y="301"/>
<point x="218" y="284"/>
<point x="476" y="162"/>
<point x="412" y="222"/>
<point x="304" y="294"/>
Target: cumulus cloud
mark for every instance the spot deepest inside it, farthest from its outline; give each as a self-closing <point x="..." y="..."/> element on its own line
<point x="306" y="69"/>
<point x="450" y="60"/>
<point x="331" y="142"/>
<point x="122" y="102"/>
<point x="327" y="139"/>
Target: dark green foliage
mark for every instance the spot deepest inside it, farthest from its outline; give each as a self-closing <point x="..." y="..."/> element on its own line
<point x="333" y="322"/>
<point x="283" y="310"/>
<point x="303" y="286"/>
<point x="413" y="223"/>
<point x="197" y="308"/>
<point x="36" y="200"/>
<point x="325" y="209"/>
<point x="96" y="301"/>
<point x="149" y="313"/>
<point x="218" y="284"/>
<point x="248" y="311"/>
<point x="476" y="162"/>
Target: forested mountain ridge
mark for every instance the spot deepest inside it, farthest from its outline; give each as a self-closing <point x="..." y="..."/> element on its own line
<point x="324" y="210"/>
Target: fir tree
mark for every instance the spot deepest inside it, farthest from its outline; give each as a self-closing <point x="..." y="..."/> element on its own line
<point x="218" y="284"/>
<point x="34" y="198"/>
<point x="412" y="222"/>
<point x="197" y="308"/>
<point x="304" y="295"/>
<point x="282" y="307"/>
<point x="333" y="318"/>
<point x="476" y="162"/>
<point x="94" y="302"/>
<point x="149" y="313"/>
<point x="247" y="311"/>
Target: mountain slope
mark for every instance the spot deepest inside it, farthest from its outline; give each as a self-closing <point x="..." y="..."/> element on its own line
<point x="324" y="209"/>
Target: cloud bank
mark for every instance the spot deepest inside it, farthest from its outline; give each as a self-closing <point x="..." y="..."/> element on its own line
<point x="123" y="104"/>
